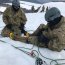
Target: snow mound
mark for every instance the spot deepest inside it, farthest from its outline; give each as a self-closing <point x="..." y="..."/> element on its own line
<point x="2" y="9"/>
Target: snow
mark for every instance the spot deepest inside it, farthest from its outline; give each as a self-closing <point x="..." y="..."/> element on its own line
<point x="30" y="3"/>
<point x="36" y="19"/>
<point x="1" y="23"/>
<point x="12" y="56"/>
<point x="59" y="5"/>
<point x="2" y="9"/>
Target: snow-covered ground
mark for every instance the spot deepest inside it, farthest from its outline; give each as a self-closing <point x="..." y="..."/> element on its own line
<point x="2" y="9"/>
<point x="12" y="56"/>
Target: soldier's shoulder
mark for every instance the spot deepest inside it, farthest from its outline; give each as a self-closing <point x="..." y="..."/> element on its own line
<point x="21" y="10"/>
<point x="8" y="9"/>
<point x="64" y="19"/>
<point x="44" y="26"/>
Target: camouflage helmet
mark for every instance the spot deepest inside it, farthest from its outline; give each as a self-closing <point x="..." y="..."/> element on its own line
<point x="52" y="13"/>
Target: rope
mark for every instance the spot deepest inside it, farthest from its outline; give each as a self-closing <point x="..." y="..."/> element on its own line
<point x="38" y="61"/>
<point x="55" y="60"/>
<point x="27" y="48"/>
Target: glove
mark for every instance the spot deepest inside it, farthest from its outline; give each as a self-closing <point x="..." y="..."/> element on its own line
<point x="21" y="26"/>
<point x="22" y="29"/>
<point x="11" y="35"/>
<point x="9" y="26"/>
<point x="43" y="39"/>
<point x="27" y="34"/>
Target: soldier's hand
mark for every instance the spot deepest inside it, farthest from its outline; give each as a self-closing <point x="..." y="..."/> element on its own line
<point x="42" y="27"/>
<point x="26" y="35"/>
<point x="9" y="26"/>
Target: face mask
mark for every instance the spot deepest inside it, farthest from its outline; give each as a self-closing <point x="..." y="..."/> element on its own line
<point x="55" y="21"/>
<point x="16" y="8"/>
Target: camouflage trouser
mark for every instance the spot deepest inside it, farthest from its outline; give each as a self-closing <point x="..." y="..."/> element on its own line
<point x="16" y="33"/>
<point x="5" y="32"/>
<point x="51" y="45"/>
<point x="35" y="41"/>
<point x="55" y="46"/>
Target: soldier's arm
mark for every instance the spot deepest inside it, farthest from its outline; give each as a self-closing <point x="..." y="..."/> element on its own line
<point x="39" y="30"/>
<point x="23" y="16"/>
<point x="5" y="16"/>
<point x="43" y="27"/>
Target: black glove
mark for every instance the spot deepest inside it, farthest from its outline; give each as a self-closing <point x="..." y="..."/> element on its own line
<point x="22" y="28"/>
<point x="9" y="26"/>
<point x="43" y="39"/>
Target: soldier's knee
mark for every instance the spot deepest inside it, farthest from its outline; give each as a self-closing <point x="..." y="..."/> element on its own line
<point x="4" y="34"/>
<point x="54" y="48"/>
